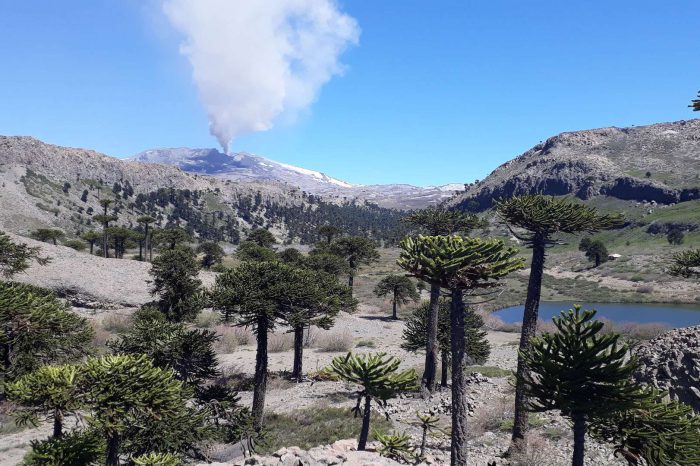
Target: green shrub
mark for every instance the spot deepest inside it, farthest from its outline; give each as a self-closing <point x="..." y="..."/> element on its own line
<point x="74" y="449"/>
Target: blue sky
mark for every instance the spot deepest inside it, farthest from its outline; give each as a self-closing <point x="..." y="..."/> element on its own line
<point x="435" y="92"/>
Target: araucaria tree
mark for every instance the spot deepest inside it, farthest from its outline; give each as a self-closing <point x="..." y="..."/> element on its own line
<point x="595" y="250"/>
<point x="124" y="390"/>
<point x="461" y="265"/>
<point x="50" y="391"/>
<point x="662" y="432"/>
<point x="328" y="232"/>
<point x="311" y="298"/>
<point x="536" y="220"/>
<point x="145" y="245"/>
<point x="176" y="285"/>
<point x="379" y="378"/>
<point x="262" y="238"/>
<point x="438" y="222"/>
<point x="400" y="288"/>
<point x="37" y="329"/>
<point x="254" y="295"/>
<point x="356" y="251"/>
<point x="212" y="254"/>
<point x="579" y="371"/>
<point x="15" y="257"/>
<point x="48" y="235"/>
<point x="686" y="264"/>
<point x="415" y="335"/>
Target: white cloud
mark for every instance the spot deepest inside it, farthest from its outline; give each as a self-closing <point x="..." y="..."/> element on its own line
<point x="255" y="60"/>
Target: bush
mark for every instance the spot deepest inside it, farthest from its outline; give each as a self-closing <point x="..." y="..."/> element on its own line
<point x="76" y="244"/>
<point x="646" y="289"/>
<point x="368" y="343"/>
<point x="334" y="342"/>
<point x="241" y="335"/>
<point x="75" y="449"/>
<point x="206" y="319"/>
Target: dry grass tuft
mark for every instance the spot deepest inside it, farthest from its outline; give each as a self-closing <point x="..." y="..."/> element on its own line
<point x="116" y="323"/>
<point x="277" y="343"/>
<point x="334" y="342"/>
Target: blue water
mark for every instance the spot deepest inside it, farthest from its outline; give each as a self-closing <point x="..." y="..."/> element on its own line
<point x="674" y="315"/>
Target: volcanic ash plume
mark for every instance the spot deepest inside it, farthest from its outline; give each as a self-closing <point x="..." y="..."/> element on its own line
<point x="256" y="60"/>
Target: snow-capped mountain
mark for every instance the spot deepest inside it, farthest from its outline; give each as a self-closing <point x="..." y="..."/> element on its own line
<point x="249" y="167"/>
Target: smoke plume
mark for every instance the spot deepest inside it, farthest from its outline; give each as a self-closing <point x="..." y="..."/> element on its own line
<point x="256" y="60"/>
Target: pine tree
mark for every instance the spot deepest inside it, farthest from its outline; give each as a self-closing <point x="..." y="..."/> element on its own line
<point x="328" y="232"/>
<point x="121" y="391"/>
<point x="400" y="288"/>
<point x="91" y="237"/>
<point x="580" y="371"/>
<point x="213" y="254"/>
<point x="658" y="431"/>
<point x="438" y="222"/>
<point x="250" y="251"/>
<point x="146" y="243"/>
<point x="311" y="298"/>
<point x="50" y="391"/>
<point x="48" y="235"/>
<point x="262" y="238"/>
<point x="356" y="251"/>
<point x="686" y="264"/>
<point x="176" y="285"/>
<point x="37" y="329"/>
<point x="460" y="265"/>
<point x="188" y="352"/>
<point x="170" y="237"/>
<point x="254" y="294"/>
<point x="15" y="257"/>
<point x="596" y="252"/>
<point x="379" y="378"/>
<point x="415" y="335"/>
<point x="536" y="220"/>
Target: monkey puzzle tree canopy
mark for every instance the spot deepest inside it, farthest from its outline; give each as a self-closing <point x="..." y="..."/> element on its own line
<point x="262" y="238"/>
<point x="175" y="283"/>
<point x="543" y="216"/>
<point x="37" y="329"/>
<point x="123" y="391"/>
<point x="400" y="289"/>
<point x="437" y="221"/>
<point x="660" y="431"/>
<point x="357" y="251"/>
<point x="51" y="391"/>
<point x="455" y="262"/>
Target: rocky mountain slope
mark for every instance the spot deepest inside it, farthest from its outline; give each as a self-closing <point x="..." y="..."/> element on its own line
<point x="659" y="162"/>
<point x="44" y="185"/>
<point x="248" y="167"/>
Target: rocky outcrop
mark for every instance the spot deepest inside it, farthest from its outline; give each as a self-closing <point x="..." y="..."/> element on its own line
<point x="342" y="452"/>
<point x="671" y="362"/>
<point x="646" y="163"/>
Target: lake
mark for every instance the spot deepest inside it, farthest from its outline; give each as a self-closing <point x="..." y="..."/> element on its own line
<point x="674" y="315"/>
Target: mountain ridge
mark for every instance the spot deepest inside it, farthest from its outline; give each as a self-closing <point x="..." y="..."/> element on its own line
<point x="658" y="162"/>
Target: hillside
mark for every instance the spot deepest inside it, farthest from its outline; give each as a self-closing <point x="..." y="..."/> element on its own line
<point x="52" y="186"/>
<point x="659" y="163"/>
<point x="249" y="167"/>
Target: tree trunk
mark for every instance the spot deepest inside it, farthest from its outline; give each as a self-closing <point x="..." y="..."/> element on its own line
<point x="579" y="439"/>
<point x="105" y="246"/>
<point x="431" y="347"/>
<point x="532" y="305"/>
<point x="57" y="424"/>
<point x="364" y="433"/>
<point x="459" y="381"/>
<point x="92" y="247"/>
<point x="445" y="370"/>
<point x="298" y="353"/>
<point x="145" y="238"/>
<point x="394" y="315"/>
<point x="141" y="250"/>
<point x="351" y="279"/>
<point x="112" y="453"/>
<point x="260" y="380"/>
